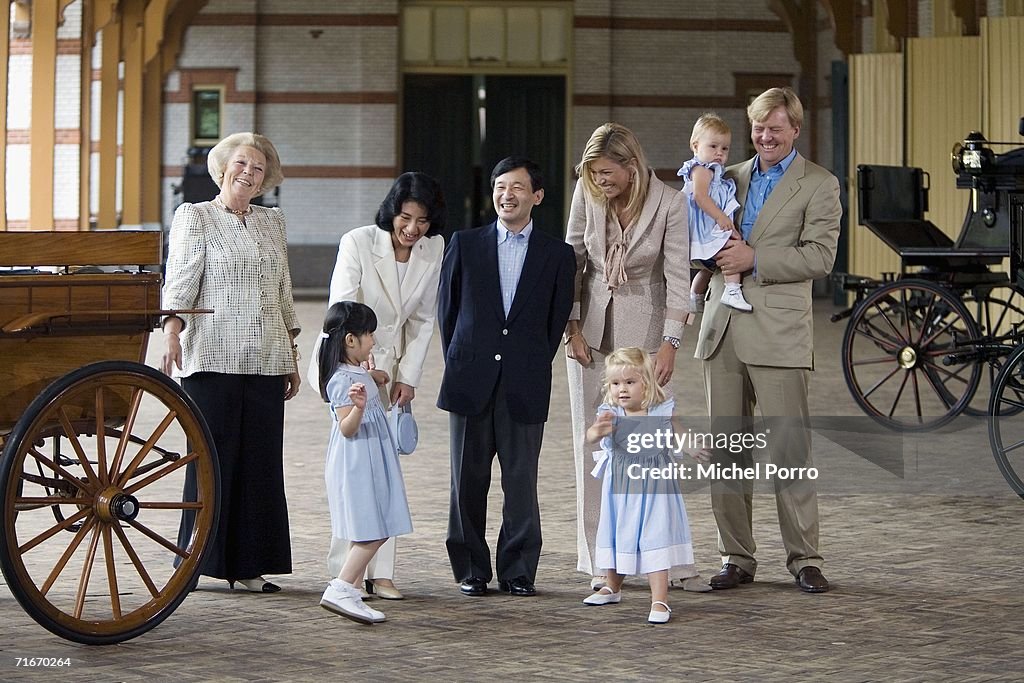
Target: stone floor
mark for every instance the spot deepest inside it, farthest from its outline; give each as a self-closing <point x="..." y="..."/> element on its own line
<point x="919" y="536"/>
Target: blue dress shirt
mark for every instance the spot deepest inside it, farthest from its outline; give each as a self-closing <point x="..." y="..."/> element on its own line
<point x="761" y="185"/>
<point x="511" y="256"/>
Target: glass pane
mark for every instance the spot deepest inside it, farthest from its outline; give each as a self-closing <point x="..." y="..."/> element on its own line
<point x="486" y="34"/>
<point x="554" y="34"/>
<point x="523" y="35"/>
<point x="206" y="114"/>
<point x="449" y="35"/>
<point x="416" y="34"/>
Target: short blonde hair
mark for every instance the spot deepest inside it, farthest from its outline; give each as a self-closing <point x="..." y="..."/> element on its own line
<point x="639" y="360"/>
<point x="219" y="156"/>
<point x="709" y="122"/>
<point x="617" y="143"/>
<point x="773" y="98"/>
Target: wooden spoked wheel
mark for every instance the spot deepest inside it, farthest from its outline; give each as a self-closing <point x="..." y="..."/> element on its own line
<point x="92" y="479"/>
<point x="893" y="352"/>
<point x="1006" y="424"/>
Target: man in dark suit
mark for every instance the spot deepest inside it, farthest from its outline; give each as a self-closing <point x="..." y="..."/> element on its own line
<point x="505" y="294"/>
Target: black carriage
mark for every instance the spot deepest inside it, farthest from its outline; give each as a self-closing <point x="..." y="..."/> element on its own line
<point x="942" y="336"/>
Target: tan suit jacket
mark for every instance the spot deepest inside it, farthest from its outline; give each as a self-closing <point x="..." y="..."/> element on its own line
<point x="365" y="271"/>
<point x="794" y="241"/>
<point x="655" y="299"/>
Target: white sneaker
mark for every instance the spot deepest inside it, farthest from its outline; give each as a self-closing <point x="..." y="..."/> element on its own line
<point x="343" y="599"/>
<point x="605" y="596"/>
<point x="735" y="300"/>
<point x="696" y="303"/>
<point x="656" y="617"/>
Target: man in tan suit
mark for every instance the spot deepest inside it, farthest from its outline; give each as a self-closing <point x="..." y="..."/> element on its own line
<point x="790" y="225"/>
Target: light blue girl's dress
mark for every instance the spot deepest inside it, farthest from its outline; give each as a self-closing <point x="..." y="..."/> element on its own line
<point x="643" y="526"/>
<point x="706" y="238"/>
<point x="365" y="489"/>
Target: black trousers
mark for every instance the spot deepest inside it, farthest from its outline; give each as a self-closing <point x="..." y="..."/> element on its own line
<point x="245" y="414"/>
<point x="475" y="440"/>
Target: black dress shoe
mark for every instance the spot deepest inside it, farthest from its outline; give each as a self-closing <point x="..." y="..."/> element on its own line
<point x="810" y="580"/>
<point x="473" y="586"/>
<point x="518" y="586"/>
<point x="730" y="577"/>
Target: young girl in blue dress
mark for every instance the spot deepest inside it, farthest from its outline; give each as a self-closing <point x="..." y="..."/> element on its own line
<point x="643" y="528"/>
<point x="365" y="490"/>
<point x="712" y="203"/>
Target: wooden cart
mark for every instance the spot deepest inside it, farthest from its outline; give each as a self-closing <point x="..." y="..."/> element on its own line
<point x="96" y="445"/>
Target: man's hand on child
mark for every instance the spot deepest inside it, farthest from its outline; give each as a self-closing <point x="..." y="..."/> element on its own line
<point x="357" y="393"/>
<point x="380" y="377"/>
<point x="701" y="455"/>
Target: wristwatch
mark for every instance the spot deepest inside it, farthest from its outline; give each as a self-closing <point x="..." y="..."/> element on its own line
<point x="673" y="341"/>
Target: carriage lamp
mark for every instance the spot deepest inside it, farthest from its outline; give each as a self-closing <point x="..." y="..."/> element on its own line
<point x="974" y="158"/>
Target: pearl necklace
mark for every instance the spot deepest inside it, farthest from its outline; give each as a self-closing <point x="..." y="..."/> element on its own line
<point x="240" y="213"/>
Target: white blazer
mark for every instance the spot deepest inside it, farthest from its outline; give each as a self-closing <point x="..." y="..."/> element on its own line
<point x="365" y="271"/>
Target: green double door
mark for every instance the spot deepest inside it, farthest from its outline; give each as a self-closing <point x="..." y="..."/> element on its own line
<point x="456" y="128"/>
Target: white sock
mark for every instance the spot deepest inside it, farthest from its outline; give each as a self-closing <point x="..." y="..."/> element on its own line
<point x="733" y="287"/>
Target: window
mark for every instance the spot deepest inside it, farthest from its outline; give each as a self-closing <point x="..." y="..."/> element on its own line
<point x="206" y="115"/>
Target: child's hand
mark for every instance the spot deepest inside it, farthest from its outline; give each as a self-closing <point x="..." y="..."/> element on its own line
<point x="604" y="425"/>
<point x="729" y="226"/>
<point x="380" y="377"/>
<point x="357" y="393"/>
<point x="701" y="455"/>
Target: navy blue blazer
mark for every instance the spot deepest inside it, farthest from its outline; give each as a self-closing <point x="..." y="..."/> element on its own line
<point x="480" y="343"/>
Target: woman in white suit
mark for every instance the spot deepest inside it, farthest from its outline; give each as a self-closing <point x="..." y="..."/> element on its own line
<point x="629" y="232"/>
<point x="393" y="267"/>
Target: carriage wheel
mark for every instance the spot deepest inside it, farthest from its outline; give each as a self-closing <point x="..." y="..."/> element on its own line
<point x="92" y="478"/>
<point x="893" y="350"/>
<point x="1006" y="426"/>
<point x="995" y="316"/>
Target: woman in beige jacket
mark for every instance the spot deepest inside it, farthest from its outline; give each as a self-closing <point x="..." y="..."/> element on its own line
<point x="629" y="232"/>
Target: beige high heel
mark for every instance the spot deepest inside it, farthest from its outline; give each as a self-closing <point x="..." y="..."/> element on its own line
<point x="383" y="592"/>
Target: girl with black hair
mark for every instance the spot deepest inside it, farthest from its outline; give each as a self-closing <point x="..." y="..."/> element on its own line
<point x="365" y="489"/>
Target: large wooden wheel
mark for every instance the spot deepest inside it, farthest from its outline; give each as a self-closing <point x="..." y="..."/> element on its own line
<point x="893" y="352"/>
<point x="1006" y="424"/>
<point x="92" y="478"/>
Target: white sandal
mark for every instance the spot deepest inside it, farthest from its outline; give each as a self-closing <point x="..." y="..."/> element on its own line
<point x="658" y="617"/>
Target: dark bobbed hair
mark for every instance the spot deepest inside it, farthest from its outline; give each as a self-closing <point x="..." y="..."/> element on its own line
<point x="512" y="163"/>
<point x="414" y="187"/>
<point x="343" y="318"/>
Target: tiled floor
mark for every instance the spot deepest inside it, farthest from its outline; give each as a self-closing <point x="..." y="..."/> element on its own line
<point x="924" y="558"/>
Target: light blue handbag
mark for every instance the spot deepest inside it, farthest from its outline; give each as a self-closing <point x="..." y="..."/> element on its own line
<point x="403" y="428"/>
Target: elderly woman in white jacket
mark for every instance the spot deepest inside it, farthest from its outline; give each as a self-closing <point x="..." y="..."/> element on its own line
<point x="393" y="267"/>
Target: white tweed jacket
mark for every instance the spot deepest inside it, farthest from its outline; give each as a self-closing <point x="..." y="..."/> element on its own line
<point x="240" y="270"/>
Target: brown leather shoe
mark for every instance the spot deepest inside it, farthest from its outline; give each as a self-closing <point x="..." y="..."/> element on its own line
<point x="810" y="580"/>
<point x="730" y="577"/>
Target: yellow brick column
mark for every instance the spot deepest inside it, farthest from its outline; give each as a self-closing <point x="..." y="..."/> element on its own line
<point x="109" y="85"/>
<point x="5" y="54"/>
<point x="43" y="137"/>
<point x="131" y="148"/>
<point x="85" y="118"/>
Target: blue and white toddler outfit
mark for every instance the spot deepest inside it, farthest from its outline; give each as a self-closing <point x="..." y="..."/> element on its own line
<point x="706" y="238"/>
<point x="643" y="526"/>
